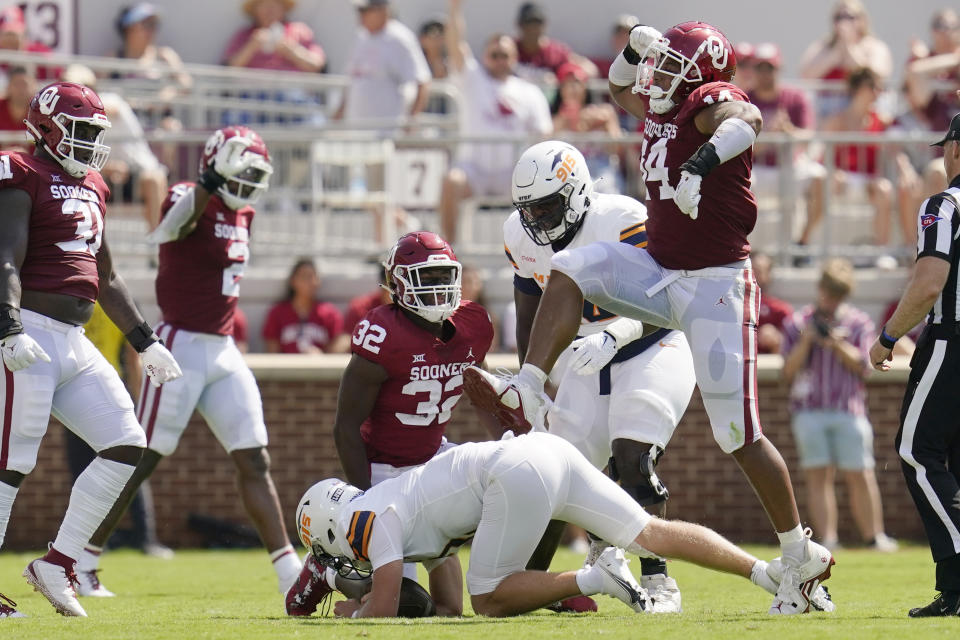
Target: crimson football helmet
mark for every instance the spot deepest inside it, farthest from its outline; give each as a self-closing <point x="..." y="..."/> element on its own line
<point x="687" y="55"/>
<point x="424" y="276"/>
<point x="67" y="119"/>
<point x="246" y="187"/>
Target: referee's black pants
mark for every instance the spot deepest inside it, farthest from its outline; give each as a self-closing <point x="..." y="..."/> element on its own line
<point x="929" y="446"/>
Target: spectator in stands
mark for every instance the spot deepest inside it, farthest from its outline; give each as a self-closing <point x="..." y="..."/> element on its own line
<point x="492" y="102"/>
<point x="826" y="361"/>
<point x="273" y="42"/>
<point x="938" y="62"/>
<point x="363" y="304"/>
<point x="13" y="37"/>
<point x="858" y="167"/>
<point x="619" y="37"/>
<point x="573" y="110"/>
<point x="132" y="169"/>
<point x="301" y="323"/>
<point x="774" y="312"/>
<point x="14" y="105"/>
<point x="434" y="47"/>
<point x="389" y="77"/>
<point x="785" y="109"/>
<point x="744" y="77"/>
<point x="539" y="57"/>
<point x="137" y="26"/>
<point x="848" y="47"/>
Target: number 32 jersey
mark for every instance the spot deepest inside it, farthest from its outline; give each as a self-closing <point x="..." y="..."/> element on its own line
<point x="727" y="209"/>
<point x="425" y="379"/>
<point x="198" y="281"/>
<point x="66" y="224"/>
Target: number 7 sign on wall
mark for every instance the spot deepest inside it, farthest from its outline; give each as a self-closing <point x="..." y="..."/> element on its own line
<point x="52" y="23"/>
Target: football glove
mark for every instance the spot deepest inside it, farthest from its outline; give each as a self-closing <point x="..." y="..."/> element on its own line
<point x="687" y="194"/>
<point x="593" y="353"/>
<point x="20" y="351"/>
<point x="160" y="364"/>
<point x="641" y="37"/>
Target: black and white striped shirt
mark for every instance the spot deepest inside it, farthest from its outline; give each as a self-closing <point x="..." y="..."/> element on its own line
<point x="938" y="234"/>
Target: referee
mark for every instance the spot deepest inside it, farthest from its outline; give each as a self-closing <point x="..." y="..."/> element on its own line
<point x="929" y="438"/>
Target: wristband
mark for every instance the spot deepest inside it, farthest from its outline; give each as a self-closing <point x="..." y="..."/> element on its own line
<point x="703" y="161"/>
<point x="141" y="337"/>
<point x="624" y="331"/>
<point x="9" y="320"/>
<point x="886" y="339"/>
<point x="622" y="73"/>
<point x="211" y="180"/>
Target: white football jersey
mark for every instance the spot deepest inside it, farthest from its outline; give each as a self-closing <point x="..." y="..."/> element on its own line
<point x="610" y="218"/>
<point x="438" y="503"/>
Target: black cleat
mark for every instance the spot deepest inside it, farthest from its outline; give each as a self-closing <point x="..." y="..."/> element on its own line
<point x="946" y="604"/>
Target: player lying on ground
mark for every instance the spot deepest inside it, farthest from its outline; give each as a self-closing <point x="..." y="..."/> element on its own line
<point x="502" y="494"/>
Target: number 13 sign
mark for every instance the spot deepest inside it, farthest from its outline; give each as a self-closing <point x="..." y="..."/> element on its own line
<point x="51" y="23"/>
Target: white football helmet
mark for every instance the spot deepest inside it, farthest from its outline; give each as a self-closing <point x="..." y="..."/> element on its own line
<point x="317" y="517"/>
<point x="552" y="191"/>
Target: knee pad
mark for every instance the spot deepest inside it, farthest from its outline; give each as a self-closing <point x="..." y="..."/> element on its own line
<point x="643" y="484"/>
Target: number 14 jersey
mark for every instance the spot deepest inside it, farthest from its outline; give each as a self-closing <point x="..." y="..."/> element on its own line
<point x="66" y="224"/>
<point x="425" y="379"/>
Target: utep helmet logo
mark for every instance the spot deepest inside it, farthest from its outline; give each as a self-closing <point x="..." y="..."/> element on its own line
<point x="48" y="100"/>
<point x="717" y="52"/>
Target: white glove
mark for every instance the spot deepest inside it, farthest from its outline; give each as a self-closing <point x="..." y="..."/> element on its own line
<point x="20" y="351"/>
<point x="159" y="364"/>
<point x="642" y="36"/>
<point x="231" y="160"/>
<point x="687" y="194"/>
<point x="593" y="353"/>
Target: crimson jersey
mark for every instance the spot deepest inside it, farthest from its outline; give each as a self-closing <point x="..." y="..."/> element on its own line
<point x="66" y="224"/>
<point x="727" y="209"/>
<point x="198" y="281"/>
<point x="425" y="379"/>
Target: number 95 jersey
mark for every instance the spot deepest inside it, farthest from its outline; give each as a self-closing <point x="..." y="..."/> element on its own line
<point x="425" y="379"/>
<point x="66" y="225"/>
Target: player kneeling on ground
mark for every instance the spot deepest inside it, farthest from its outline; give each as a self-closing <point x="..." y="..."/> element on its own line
<point x="502" y="494"/>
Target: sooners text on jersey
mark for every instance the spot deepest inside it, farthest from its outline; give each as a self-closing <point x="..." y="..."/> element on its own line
<point x="66" y="224"/>
<point x="425" y="379"/>
<point x="199" y="276"/>
<point x="727" y="209"/>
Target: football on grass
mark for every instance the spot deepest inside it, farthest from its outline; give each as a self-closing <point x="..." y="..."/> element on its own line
<point x="415" y="602"/>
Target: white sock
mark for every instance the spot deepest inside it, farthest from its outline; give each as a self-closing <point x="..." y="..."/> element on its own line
<point x="7" y="495"/>
<point x="89" y="558"/>
<point x="532" y="376"/>
<point x="590" y="581"/>
<point x="759" y="577"/>
<point x="93" y="495"/>
<point x="793" y="544"/>
<point x="287" y="565"/>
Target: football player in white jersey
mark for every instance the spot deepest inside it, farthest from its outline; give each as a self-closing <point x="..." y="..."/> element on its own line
<point x="501" y="494"/>
<point x="621" y="414"/>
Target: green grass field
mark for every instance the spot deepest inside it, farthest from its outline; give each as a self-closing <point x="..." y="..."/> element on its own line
<point x="232" y="595"/>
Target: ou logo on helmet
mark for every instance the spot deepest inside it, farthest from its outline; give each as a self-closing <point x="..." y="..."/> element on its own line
<point x="717" y="50"/>
<point x="48" y="100"/>
<point x="214" y="142"/>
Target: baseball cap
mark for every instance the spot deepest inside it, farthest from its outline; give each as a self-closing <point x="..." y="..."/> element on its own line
<point x="138" y="13"/>
<point x="530" y="12"/>
<point x="953" y="132"/>
<point x="766" y="52"/>
<point x="568" y="69"/>
<point x="366" y="4"/>
<point x="11" y="19"/>
<point x="744" y="52"/>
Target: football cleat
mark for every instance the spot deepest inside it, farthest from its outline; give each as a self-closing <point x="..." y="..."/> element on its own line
<point x="798" y="584"/>
<point x="309" y="590"/>
<point x="618" y="582"/>
<point x="575" y="604"/>
<point x="945" y="604"/>
<point x="516" y="406"/>
<point x="56" y="585"/>
<point x="820" y="600"/>
<point x="8" y="608"/>
<point x="88" y="584"/>
<point x="663" y="592"/>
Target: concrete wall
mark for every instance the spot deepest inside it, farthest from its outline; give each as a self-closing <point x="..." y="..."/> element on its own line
<point x="200" y="30"/>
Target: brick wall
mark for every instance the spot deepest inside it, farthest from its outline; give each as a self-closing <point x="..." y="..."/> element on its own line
<point x="705" y="484"/>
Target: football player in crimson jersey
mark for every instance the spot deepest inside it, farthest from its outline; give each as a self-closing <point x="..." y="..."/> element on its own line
<point x="204" y="236"/>
<point x="404" y="380"/>
<point x="694" y="274"/>
<point x="55" y="265"/>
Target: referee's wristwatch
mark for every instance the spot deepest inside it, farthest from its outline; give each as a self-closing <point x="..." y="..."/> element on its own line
<point x="885" y="339"/>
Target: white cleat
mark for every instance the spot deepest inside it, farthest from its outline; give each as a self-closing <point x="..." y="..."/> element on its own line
<point x="56" y="585"/>
<point x="618" y="582"/>
<point x="820" y="600"/>
<point x="798" y="584"/>
<point x="516" y="406"/>
<point x="88" y="584"/>
<point x="664" y="593"/>
<point x="8" y="608"/>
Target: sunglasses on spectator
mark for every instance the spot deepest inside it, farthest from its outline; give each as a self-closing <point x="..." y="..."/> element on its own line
<point x="840" y="17"/>
<point x="944" y="26"/>
<point x="498" y="55"/>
